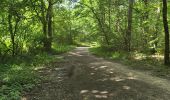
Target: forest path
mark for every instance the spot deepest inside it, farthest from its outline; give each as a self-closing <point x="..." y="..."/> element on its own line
<point x="82" y="76"/>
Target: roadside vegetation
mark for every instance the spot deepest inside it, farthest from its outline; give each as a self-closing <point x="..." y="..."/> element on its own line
<point x="20" y="74"/>
<point x="135" y="60"/>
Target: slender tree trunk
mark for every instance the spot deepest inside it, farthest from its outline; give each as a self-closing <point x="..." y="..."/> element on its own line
<point x="70" y="35"/>
<point x="11" y="33"/>
<point x="44" y="26"/>
<point x="101" y="27"/>
<point x="43" y="19"/>
<point x="50" y="25"/>
<point x="109" y="14"/>
<point x="109" y="18"/>
<point x="166" y="29"/>
<point x="70" y="25"/>
<point x="101" y="20"/>
<point x="129" y="28"/>
<point x="145" y="26"/>
<point x="157" y="27"/>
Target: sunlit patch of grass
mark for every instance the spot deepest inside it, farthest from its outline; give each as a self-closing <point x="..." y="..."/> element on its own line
<point x="80" y="44"/>
<point x="58" y="48"/>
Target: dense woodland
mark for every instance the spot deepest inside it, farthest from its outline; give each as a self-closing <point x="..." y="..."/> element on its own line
<point x="134" y="25"/>
<point x="28" y="27"/>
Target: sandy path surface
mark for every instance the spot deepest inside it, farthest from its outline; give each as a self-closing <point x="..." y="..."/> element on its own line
<point x="82" y="76"/>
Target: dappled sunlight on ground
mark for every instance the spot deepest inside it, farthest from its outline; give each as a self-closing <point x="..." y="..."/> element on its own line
<point x="76" y="54"/>
<point x="96" y="94"/>
<point x="103" y="67"/>
<point x="82" y="76"/>
<point x="24" y="98"/>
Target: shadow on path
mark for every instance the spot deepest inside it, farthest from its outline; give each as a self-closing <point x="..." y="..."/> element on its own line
<point x="82" y="76"/>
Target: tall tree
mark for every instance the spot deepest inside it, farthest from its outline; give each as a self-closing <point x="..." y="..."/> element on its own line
<point x="166" y="29"/>
<point x="44" y="11"/>
<point x="129" y="28"/>
<point x="13" y="17"/>
<point x="49" y="20"/>
<point x="145" y="23"/>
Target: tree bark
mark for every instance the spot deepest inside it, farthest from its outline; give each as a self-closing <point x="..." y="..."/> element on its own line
<point x="129" y="28"/>
<point x="166" y="29"/>
<point x="11" y="33"/>
<point x="145" y="26"/>
<point x="50" y="30"/>
<point x="70" y="25"/>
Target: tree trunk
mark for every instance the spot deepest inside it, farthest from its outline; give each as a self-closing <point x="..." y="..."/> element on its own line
<point x="11" y="33"/>
<point x="129" y="28"/>
<point x="145" y="26"/>
<point x="70" y="25"/>
<point x="44" y="23"/>
<point x="166" y="29"/>
<point x="157" y="27"/>
<point x="109" y="14"/>
<point x="101" y="27"/>
<point x="50" y="30"/>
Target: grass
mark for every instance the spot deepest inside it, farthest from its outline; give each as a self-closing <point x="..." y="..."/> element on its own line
<point x="86" y="44"/>
<point x="58" y="49"/>
<point x="19" y="74"/>
<point x="135" y="60"/>
<point x="79" y="44"/>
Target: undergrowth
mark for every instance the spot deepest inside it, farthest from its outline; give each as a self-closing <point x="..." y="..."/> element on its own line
<point x="19" y="74"/>
<point x="135" y="60"/>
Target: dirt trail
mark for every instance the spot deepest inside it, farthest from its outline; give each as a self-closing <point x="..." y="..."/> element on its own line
<point x="82" y="76"/>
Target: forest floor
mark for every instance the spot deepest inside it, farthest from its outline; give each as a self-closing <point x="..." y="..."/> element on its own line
<point x="82" y="76"/>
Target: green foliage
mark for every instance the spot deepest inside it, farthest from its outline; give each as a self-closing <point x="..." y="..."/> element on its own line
<point x="58" y="48"/>
<point x="17" y="76"/>
<point x="135" y="60"/>
<point x="20" y="74"/>
<point x="107" y="52"/>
